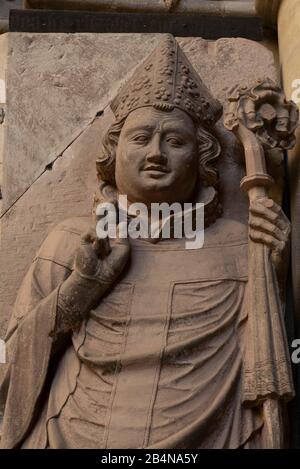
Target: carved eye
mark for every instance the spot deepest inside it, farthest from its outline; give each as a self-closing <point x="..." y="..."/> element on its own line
<point x="175" y="141"/>
<point x="142" y="138"/>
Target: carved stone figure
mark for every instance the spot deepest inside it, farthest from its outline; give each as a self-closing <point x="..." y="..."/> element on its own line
<point x="142" y="343"/>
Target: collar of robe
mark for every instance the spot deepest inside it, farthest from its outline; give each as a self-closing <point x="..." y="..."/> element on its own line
<point x="206" y="199"/>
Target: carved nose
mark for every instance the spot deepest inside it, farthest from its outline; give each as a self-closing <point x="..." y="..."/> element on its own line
<point x="155" y="154"/>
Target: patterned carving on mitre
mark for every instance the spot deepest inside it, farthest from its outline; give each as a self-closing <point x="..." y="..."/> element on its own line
<point x="167" y="79"/>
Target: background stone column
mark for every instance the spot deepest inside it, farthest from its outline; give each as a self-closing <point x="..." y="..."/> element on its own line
<point x="268" y="10"/>
<point x="285" y="16"/>
<point x="289" y="49"/>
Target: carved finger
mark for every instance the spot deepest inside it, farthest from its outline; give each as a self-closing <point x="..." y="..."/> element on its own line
<point x="270" y="203"/>
<point x="277" y="218"/>
<point x="260" y="224"/>
<point x="267" y="208"/>
<point x="263" y="212"/>
<point x="102" y="247"/>
<point x="267" y="203"/>
<point x="88" y="237"/>
<point x="266" y="239"/>
<point x="86" y="260"/>
<point x="106" y="273"/>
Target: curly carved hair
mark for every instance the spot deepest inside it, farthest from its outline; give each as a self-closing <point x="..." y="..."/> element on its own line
<point x="208" y="150"/>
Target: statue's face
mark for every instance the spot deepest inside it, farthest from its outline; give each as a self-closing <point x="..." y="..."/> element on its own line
<point x="156" y="158"/>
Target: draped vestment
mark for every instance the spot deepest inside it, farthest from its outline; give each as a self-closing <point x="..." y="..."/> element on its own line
<point x="157" y="364"/>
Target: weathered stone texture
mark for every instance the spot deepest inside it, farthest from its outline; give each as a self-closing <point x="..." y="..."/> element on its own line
<point x="56" y="85"/>
<point x="5" y="7"/>
<point x="65" y="189"/>
<point x="212" y="6"/>
<point x="241" y="7"/>
<point x="3" y="61"/>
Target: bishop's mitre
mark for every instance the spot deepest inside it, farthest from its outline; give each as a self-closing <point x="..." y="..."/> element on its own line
<point x="167" y="79"/>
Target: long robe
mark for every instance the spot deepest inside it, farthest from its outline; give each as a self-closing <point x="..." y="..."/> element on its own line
<point x="157" y="364"/>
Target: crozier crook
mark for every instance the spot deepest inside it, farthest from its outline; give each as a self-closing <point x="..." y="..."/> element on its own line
<point x="262" y="119"/>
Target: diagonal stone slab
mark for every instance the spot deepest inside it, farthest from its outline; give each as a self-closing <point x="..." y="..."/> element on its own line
<point x="55" y="86"/>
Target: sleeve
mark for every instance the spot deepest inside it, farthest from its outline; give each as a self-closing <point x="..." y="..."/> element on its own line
<point x="29" y="343"/>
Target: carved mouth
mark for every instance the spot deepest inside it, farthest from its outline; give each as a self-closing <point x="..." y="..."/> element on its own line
<point x="156" y="168"/>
